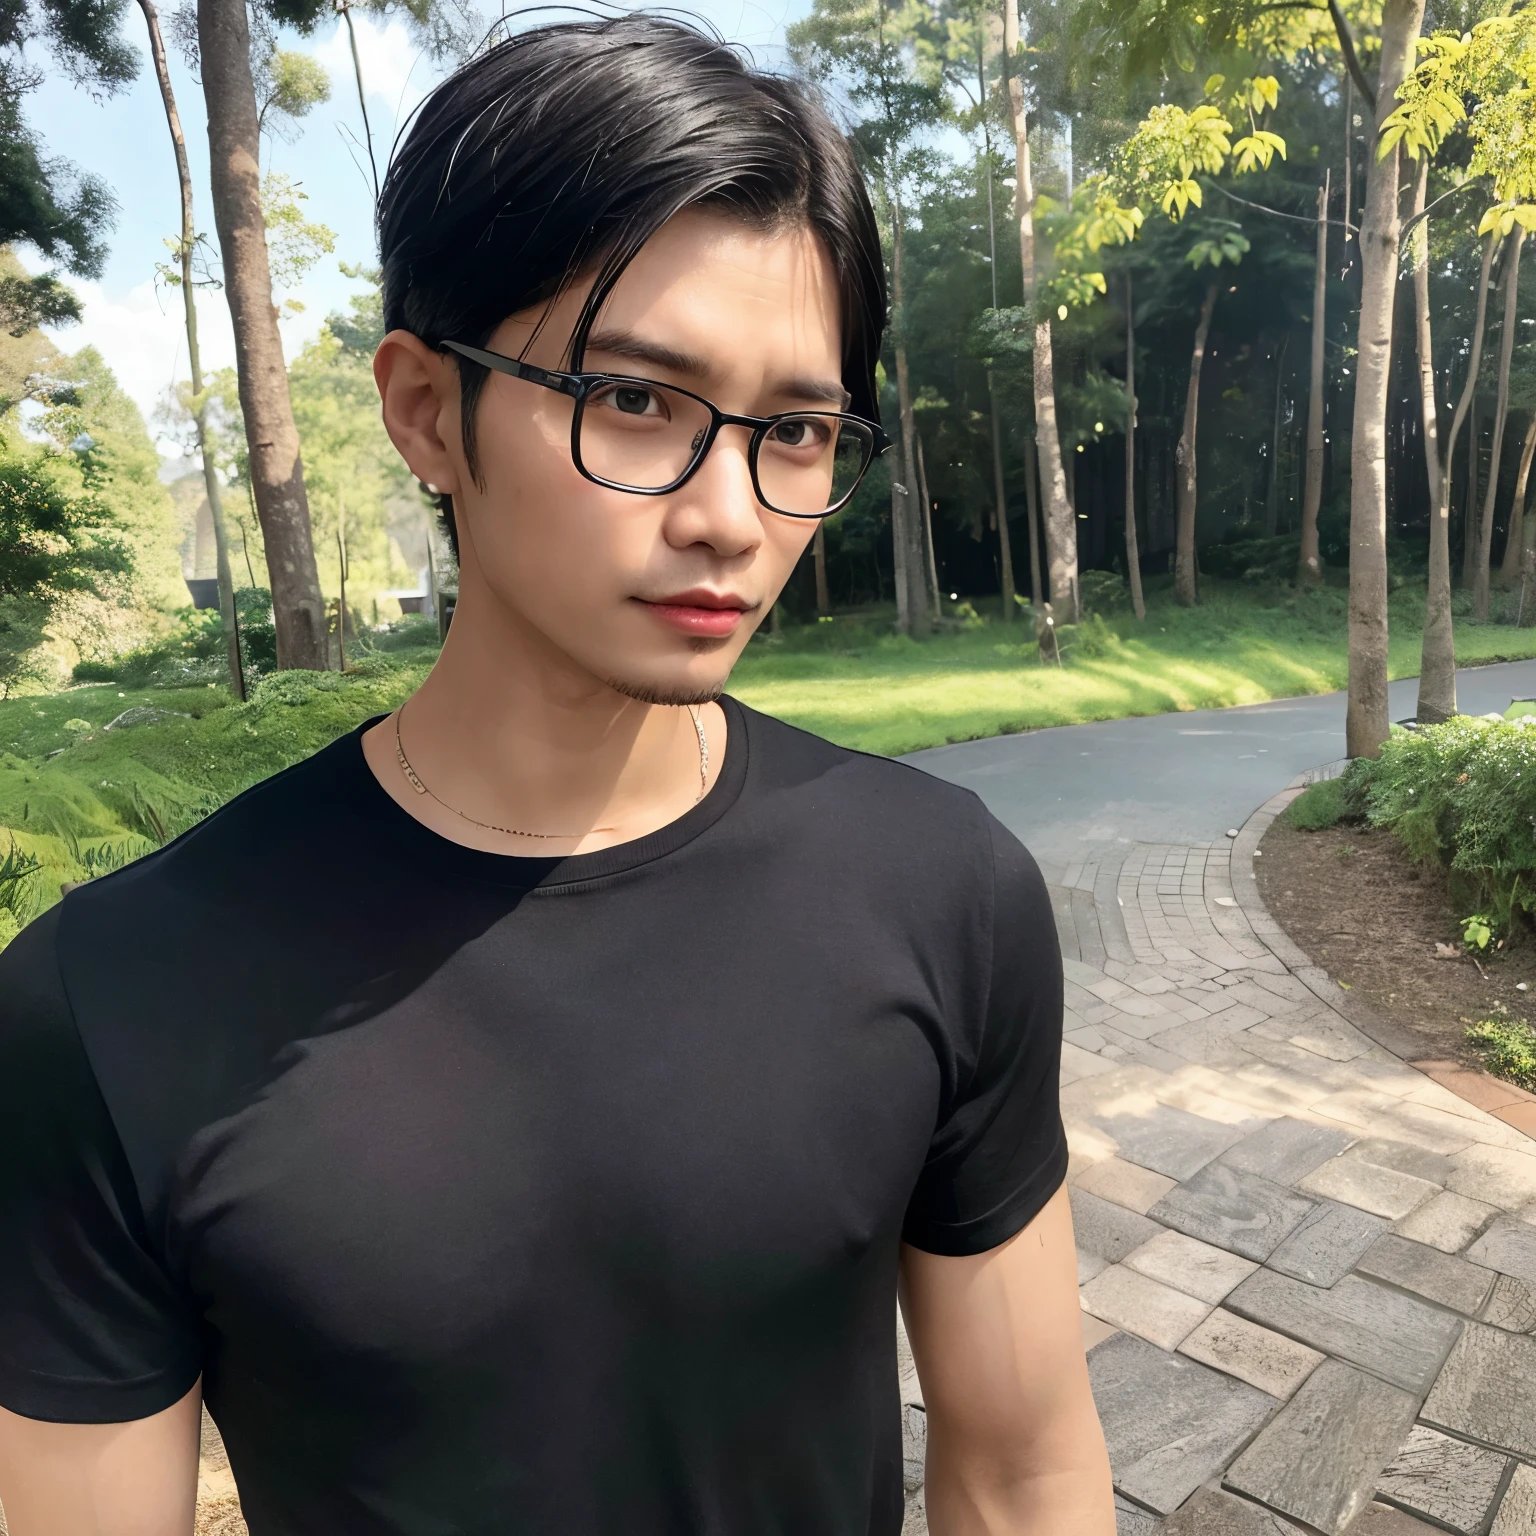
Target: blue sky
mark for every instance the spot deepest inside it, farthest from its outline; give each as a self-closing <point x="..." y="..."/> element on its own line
<point x="124" y="139"/>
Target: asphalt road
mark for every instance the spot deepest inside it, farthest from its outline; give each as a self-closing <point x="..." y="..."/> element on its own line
<point x="1181" y="778"/>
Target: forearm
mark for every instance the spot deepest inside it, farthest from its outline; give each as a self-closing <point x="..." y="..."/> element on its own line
<point x="132" y="1479"/>
<point x="1058" y="1488"/>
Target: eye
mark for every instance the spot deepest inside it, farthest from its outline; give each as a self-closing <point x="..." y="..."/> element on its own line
<point x="801" y="432"/>
<point x="631" y="399"/>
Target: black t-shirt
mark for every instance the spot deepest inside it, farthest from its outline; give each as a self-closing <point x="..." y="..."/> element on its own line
<point x="497" y="1195"/>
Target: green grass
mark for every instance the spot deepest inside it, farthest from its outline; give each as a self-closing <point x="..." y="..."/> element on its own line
<point x="888" y="694"/>
<point x="81" y="800"/>
<point x="110" y="796"/>
<point x="1508" y="1049"/>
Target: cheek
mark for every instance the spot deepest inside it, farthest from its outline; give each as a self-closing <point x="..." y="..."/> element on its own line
<point x="544" y="529"/>
<point x="784" y="542"/>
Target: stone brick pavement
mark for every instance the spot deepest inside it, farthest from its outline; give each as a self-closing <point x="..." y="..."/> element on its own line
<point x="1308" y="1269"/>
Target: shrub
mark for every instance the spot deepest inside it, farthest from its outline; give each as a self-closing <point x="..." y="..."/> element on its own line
<point x="258" y="630"/>
<point x="409" y="632"/>
<point x="1319" y="806"/>
<point x="1103" y="592"/>
<point x="1508" y="1049"/>
<point x="191" y="654"/>
<point x="1463" y="795"/>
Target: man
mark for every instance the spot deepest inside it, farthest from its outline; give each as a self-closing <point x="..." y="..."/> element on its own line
<point x="516" y="1118"/>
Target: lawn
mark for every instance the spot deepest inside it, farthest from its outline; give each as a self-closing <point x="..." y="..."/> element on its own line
<point x="883" y="693"/>
<point x="81" y="799"/>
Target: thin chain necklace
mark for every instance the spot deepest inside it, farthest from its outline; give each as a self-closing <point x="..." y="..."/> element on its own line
<point x="414" y="780"/>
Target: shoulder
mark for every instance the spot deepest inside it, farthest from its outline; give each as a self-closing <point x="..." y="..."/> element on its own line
<point x="878" y="793"/>
<point x="253" y="840"/>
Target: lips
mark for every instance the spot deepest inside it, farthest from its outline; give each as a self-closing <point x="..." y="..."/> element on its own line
<point x="709" y="615"/>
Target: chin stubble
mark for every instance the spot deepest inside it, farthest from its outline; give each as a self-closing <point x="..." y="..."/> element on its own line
<point x="651" y="693"/>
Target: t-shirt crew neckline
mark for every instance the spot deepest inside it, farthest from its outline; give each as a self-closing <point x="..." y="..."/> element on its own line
<point x="555" y="871"/>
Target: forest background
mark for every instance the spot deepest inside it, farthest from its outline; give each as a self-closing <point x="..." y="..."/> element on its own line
<point x="1210" y="370"/>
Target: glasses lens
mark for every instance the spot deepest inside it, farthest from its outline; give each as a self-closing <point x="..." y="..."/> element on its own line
<point x="809" y="464"/>
<point x="639" y="434"/>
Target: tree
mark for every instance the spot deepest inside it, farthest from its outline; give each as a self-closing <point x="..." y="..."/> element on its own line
<point x="1059" y="517"/>
<point x="1494" y="68"/>
<point x="1513" y="240"/>
<point x="55" y="541"/>
<point x="184" y="248"/>
<point x="45" y="202"/>
<point x="871" y="47"/>
<point x="967" y="50"/>
<point x="277" y="469"/>
<point x="1309" y="564"/>
<point x="1366" y="721"/>
<point x="1158" y="164"/>
<point x="1437" y="662"/>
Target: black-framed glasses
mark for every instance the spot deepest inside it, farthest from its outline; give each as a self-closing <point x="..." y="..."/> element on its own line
<point x="636" y="435"/>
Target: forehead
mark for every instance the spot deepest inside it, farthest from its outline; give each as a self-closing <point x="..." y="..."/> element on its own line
<point x="726" y="285"/>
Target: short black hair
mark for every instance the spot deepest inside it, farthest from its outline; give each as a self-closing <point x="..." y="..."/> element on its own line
<point x="560" y="150"/>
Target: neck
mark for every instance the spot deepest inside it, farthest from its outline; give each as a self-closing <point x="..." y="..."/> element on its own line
<point x="510" y="732"/>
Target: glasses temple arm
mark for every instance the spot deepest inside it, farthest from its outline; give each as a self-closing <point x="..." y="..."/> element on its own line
<point x="565" y="383"/>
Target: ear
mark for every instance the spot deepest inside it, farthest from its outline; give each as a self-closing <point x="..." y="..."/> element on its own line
<point x="419" y="394"/>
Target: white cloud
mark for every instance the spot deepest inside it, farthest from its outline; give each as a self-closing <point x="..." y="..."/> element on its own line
<point x="142" y="335"/>
<point x="396" y="72"/>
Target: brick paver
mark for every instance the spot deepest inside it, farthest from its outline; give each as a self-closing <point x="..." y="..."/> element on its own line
<point x="1271" y="1200"/>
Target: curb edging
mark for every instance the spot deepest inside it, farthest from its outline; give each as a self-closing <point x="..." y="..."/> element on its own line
<point x="1504" y="1101"/>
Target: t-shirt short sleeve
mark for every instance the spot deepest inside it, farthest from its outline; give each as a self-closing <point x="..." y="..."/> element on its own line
<point x="92" y="1330"/>
<point x="1000" y="1152"/>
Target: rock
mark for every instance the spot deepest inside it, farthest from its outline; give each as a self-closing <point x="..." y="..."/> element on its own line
<point x="143" y="714"/>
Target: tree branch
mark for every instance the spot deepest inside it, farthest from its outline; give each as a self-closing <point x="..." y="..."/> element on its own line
<point x="1299" y="218"/>
<point x="1351" y="58"/>
<point x="1419" y="217"/>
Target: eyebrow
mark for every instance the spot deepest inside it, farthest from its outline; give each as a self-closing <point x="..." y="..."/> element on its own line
<point x="626" y="344"/>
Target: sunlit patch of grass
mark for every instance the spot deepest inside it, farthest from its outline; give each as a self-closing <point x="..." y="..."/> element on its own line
<point x="887" y="694"/>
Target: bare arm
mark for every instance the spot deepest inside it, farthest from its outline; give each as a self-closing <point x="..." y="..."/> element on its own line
<point x="1014" y="1444"/>
<point x="135" y="1479"/>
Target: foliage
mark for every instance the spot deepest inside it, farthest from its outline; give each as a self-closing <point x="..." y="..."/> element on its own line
<point x="1322" y="805"/>
<point x="190" y="654"/>
<point x="109" y="796"/>
<point x="1477" y="931"/>
<point x="29" y="302"/>
<point x="1507" y="1046"/>
<point x="294" y="243"/>
<point x="45" y="201"/>
<point x="1485" y="79"/>
<point x="1463" y="795"/>
<point x="100" y="436"/>
<point x="56" y="544"/>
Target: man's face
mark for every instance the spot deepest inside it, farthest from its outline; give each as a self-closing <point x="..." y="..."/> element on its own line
<point x="656" y="595"/>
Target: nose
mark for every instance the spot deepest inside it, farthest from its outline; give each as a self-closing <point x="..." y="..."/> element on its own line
<point x="718" y="507"/>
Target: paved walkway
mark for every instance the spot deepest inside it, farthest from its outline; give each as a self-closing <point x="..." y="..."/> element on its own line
<point x="1308" y="1290"/>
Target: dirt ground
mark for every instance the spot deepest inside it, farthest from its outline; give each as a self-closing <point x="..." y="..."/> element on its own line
<point x="1357" y="905"/>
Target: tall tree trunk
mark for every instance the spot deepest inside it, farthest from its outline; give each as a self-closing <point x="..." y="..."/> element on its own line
<point x="1132" y="545"/>
<point x="1060" y="523"/>
<point x="1437" y="687"/>
<point x="1309" y="569"/>
<point x="1471" y="536"/>
<point x="1366" y="722"/>
<point x="276" y="469"/>
<point x="1516" y="537"/>
<point x="1437" y="657"/>
<point x="819" y="556"/>
<point x="1272" y="490"/>
<point x="1185" y="581"/>
<point x="1500" y="419"/>
<point x="930" y="561"/>
<point x="194" y="355"/>
<point x="1527" y="526"/>
<point x="914" y="617"/>
<point x="1032" y="509"/>
<point x="1004" y="543"/>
